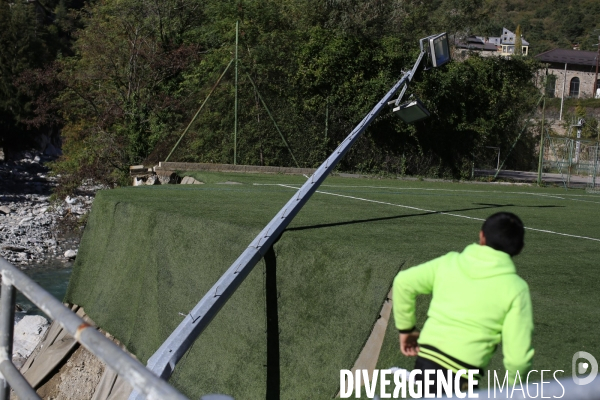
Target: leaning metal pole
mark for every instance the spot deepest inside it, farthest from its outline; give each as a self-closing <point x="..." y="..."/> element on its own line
<point x="170" y="352"/>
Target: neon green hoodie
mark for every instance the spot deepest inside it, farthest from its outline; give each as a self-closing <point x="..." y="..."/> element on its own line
<point x="478" y="300"/>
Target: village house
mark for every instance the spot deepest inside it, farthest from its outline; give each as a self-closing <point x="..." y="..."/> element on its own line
<point x="493" y="46"/>
<point x="571" y="72"/>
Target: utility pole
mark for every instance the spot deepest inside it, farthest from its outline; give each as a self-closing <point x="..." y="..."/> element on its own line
<point x="541" y="160"/>
<point x="237" y="29"/>
<point x="326" y="117"/>
<point x="563" y="94"/>
<point x="596" y="78"/>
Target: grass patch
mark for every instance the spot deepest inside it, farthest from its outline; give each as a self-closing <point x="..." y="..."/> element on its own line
<point x="150" y="253"/>
<point x="571" y="103"/>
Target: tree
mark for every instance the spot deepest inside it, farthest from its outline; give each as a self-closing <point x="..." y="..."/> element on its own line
<point x="518" y="41"/>
<point x="21" y="47"/>
<point x="480" y="102"/>
<point x="119" y="90"/>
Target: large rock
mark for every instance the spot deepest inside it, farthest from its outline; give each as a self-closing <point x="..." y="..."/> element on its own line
<point x="152" y="180"/>
<point x="166" y="179"/>
<point x="5" y="210"/>
<point x="27" y="334"/>
<point x="70" y="254"/>
<point x="188" y="180"/>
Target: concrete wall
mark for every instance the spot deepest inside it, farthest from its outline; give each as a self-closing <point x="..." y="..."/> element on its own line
<point x="169" y="167"/>
<point x="585" y="74"/>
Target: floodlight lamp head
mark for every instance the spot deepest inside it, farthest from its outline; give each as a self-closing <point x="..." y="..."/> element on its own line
<point x="412" y="111"/>
<point x="437" y="48"/>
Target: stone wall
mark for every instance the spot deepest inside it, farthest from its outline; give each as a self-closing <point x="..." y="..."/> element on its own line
<point x="585" y="74"/>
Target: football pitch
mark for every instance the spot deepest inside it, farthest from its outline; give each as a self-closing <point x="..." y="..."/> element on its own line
<point x="334" y="267"/>
<point x="559" y="262"/>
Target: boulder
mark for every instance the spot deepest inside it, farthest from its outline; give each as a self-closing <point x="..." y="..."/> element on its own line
<point x="5" y="210"/>
<point x="188" y="180"/>
<point x="166" y="179"/>
<point x="27" y="334"/>
<point x="71" y="254"/>
<point x="152" y="180"/>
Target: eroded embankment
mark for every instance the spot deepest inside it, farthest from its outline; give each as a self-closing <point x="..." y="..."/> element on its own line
<point x="149" y="254"/>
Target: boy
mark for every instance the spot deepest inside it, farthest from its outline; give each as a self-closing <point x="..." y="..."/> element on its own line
<point x="478" y="300"/>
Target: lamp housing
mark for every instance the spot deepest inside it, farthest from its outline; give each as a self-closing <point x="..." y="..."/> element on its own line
<point x="412" y="111"/>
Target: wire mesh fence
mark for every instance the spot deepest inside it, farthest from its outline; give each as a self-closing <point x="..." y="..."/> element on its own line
<point x="574" y="159"/>
<point x="593" y="185"/>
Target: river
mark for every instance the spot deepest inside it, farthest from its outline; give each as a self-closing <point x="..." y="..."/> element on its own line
<point x="54" y="277"/>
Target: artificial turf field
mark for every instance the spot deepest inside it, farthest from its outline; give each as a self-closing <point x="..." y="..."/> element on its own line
<point x="150" y="253"/>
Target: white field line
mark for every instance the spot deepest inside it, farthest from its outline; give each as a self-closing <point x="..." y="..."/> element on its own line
<point x="453" y="190"/>
<point x="439" y="212"/>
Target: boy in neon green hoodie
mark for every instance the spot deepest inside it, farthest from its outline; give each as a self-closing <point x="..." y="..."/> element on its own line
<point x="478" y="300"/>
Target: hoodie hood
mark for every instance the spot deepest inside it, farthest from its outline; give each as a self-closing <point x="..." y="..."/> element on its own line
<point x="479" y="262"/>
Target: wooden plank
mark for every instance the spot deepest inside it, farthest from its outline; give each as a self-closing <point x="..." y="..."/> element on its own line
<point x="54" y="349"/>
<point x="121" y="390"/>
<point x="50" y="358"/>
<point x="106" y="384"/>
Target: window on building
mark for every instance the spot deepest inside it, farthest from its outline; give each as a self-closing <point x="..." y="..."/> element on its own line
<point x="574" y="87"/>
<point x="550" y="85"/>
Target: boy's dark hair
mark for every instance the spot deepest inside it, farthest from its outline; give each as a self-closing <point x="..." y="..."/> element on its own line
<point x="504" y="231"/>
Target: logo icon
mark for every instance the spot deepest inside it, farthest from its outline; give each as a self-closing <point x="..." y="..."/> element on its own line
<point x="582" y="367"/>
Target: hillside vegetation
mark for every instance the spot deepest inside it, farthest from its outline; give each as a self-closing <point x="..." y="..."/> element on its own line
<point x="121" y="80"/>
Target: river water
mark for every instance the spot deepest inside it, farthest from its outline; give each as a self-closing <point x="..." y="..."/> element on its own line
<point x="54" y="277"/>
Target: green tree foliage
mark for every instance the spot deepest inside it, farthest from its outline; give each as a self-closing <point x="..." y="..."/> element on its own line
<point x="480" y="102"/>
<point x="546" y="24"/>
<point x="22" y="46"/>
<point x="139" y="69"/>
<point x="518" y="41"/>
<point x="590" y="128"/>
<point x="118" y="98"/>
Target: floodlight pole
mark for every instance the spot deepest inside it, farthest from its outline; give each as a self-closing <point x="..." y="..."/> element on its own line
<point x="235" y="118"/>
<point x="164" y="360"/>
<point x="541" y="158"/>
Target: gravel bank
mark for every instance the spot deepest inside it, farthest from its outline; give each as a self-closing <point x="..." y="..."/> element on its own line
<point x="34" y="230"/>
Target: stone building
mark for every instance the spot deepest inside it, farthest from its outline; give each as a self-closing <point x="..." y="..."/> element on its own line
<point x="571" y="72"/>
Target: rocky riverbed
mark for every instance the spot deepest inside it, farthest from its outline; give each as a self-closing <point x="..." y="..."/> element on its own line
<point x="33" y="229"/>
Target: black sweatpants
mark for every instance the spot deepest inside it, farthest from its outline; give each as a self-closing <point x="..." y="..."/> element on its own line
<point x="426" y="364"/>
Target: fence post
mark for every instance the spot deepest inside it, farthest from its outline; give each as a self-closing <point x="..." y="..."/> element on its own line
<point x="7" y="317"/>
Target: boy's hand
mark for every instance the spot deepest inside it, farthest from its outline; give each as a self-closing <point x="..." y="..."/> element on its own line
<point x="408" y="343"/>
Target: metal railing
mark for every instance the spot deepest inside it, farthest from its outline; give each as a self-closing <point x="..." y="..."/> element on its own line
<point x="131" y="370"/>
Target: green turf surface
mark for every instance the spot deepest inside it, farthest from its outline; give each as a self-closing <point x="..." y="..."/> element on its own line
<point x="150" y="253"/>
